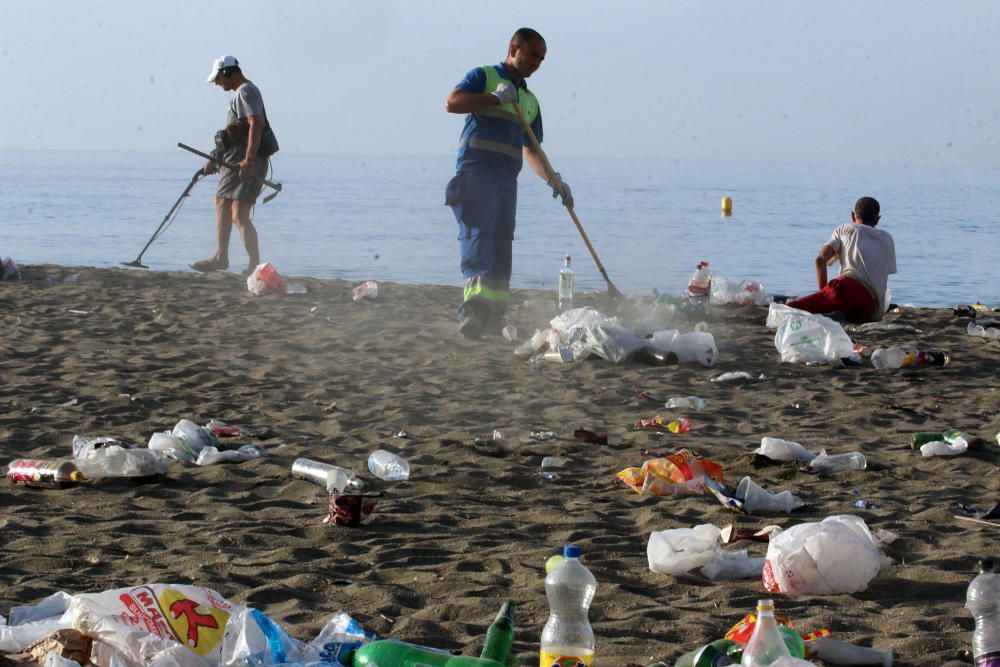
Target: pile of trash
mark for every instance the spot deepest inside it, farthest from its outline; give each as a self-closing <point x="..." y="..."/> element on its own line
<point x="167" y="625"/>
<point x="579" y="333"/>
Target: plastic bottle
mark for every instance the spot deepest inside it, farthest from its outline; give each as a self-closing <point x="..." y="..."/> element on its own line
<point x="566" y="281"/>
<point x="567" y="634"/>
<point x="386" y="652"/>
<point x="116" y="461"/>
<point x="686" y="402"/>
<point x="332" y="478"/>
<point x="904" y="357"/>
<point x="58" y="473"/>
<point x="983" y="600"/>
<point x="700" y="285"/>
<point x="765" y="644"/>
<point x="500" y="635"/>
<point x="695" y="346"/>
<point x="388" y="466"/>
<point x="828" y="464"/>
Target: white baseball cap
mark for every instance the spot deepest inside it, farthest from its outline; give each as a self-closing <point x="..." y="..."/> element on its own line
<point x="221" y="63"/>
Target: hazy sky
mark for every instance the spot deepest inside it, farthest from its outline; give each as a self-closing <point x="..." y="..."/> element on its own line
<point x="899" y="81"/>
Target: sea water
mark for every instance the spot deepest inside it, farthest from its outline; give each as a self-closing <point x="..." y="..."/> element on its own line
<point x="383" y="218"/>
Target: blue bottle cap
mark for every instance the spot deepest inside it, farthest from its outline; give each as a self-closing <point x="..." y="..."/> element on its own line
<point x="571" y="551"/>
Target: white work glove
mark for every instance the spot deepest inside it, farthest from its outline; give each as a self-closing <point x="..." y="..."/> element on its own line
<point x="506" y="93"/>
<point x="560" y="188"/>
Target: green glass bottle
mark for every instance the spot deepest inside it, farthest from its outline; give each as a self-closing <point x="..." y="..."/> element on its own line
<point x="500" y="635"/>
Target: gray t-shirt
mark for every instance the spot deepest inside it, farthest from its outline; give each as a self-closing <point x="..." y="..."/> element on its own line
<point x="246" y="102"/>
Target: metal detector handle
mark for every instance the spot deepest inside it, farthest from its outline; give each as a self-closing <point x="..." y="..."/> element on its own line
<point x="211" y="158"/>
<point x="550" y="174"/>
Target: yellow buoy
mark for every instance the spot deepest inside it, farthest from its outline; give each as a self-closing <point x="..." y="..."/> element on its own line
<point x="727" y="206"/>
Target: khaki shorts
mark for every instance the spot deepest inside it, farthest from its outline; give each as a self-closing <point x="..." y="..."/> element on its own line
<point x="232" y="187"/>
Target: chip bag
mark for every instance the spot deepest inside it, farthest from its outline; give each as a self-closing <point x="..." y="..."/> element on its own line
<point x="680" y="473"/>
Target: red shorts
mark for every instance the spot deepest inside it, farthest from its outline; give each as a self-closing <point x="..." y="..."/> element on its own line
<point x="847" y="295"/>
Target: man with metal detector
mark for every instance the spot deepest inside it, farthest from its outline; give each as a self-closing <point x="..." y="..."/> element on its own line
<point x="483" y="194"/>
<point x="247" y="142"/>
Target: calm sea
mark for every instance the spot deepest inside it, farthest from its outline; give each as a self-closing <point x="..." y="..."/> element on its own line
<point x="382" y="217"/>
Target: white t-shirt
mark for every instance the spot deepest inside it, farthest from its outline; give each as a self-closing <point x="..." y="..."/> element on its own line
<point x="867" y="254"/>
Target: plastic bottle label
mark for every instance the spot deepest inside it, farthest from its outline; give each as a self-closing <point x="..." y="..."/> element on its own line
<point x="991" y="659"/>
<point x="560" y="659"/>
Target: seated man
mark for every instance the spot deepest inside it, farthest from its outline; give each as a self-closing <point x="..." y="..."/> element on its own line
<point x="867" y="256"/>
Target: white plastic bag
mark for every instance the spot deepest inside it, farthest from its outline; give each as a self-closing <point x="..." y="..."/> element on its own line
<point x="733" y="565"/>
<point x="211" y="455"/>
<point x="265" y="279"/>
<point x="836" y="555"/>
<point x="812" y="338"/>
<point x="777" y="449"/>
<point x="195" y="437"/>
<point x="680" y="550"/>
<point x="757" y="499"/>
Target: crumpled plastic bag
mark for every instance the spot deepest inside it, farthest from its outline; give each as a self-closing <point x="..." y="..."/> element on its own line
<point x="680" y="550"/>
<point x="606" y="337"/>
<point x="835" y="555"/>
<point x="803" y="337"/>
<point x="116" y="461"/>
<point x="176" y="625"/>
<point x="265" y="279"/>
<point x="211" y="455"/>
<point x="726" y="290"/>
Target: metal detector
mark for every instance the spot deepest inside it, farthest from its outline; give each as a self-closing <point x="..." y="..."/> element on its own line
<point x="167" y="219"/>
<point x="222" y="163"/>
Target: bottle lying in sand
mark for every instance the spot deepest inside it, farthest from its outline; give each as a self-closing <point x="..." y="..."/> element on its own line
<point x="58" y="473"/>
<point x="903" y="357"/>
<point x="388" y="466"/>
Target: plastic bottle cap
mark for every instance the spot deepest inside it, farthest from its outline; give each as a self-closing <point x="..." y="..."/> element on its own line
<point x="571" y="551"/>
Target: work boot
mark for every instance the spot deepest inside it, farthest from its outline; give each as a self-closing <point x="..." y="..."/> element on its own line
<point x="471" y="327"/>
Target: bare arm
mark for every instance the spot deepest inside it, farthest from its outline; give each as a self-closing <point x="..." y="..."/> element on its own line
<point x="826" y="254"/>
<point x="253" y="143"/>
<point x="462" y="101"/>
<point x="535" y="159"/>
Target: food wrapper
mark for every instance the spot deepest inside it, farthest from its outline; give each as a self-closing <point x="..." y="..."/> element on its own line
<point x="741" y="632"/>
<point x="351" y="509"/>
<point x="683" y="472"/>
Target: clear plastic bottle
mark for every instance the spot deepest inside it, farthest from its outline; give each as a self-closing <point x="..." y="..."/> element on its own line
<point x="333" y="478"/>
<point x="566" y="281"/>
<point x="765" y="645"/>
<point x="687" y="402"/>
<point x="831" y="463"/>
<point x="903" y="357"/>
<point x="983" y="600"/>
<point x="59" y="473"/>
<point x="567" y="634"/>
<point x="388" y="466"/>
<point x="700" y="285"/>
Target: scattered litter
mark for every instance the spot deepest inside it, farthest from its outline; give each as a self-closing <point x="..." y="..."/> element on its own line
<point x="221" y="429"/>
<point x="865" y="504"/>
<point x="296" y="288"/>
<point x="79" y="312"/>
<point x="388" y="467"/>
<point x="868" y="327"/>
<point x="351" y="509"/>
<point x="989" y="333"/>
<point x="583" y="435"/>
<point x="116" y="461"/>
<point x="835" y="555"/>
<point x="211" y="455"/>
<point x="777" y="449"/>
<point x="70" y="403"/>
<point x="828" y="464"/>
<point x="333" y="478"/>
<point x="659" y="422"/>
<point x="941" y="448"/>
<point x="803" y="337"/>
<point x="509" y="333"/>
<point x="265" y="279"/>
<point x="680" y="550"/>
<point x="736" y="375"/>
<point x="681" y="473"/>
<point x="366" y="290"/>
<point x="542" y="436"/>
<point x="686" y="402"/>
<point x="554" y="461"/>
<point x="228" y="633"/>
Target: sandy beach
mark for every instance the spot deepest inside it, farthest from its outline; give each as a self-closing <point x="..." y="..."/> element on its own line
<point x="126" y="353"/>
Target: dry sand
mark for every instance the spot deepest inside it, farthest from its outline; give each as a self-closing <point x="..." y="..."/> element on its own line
<point x="317" y="375"/>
